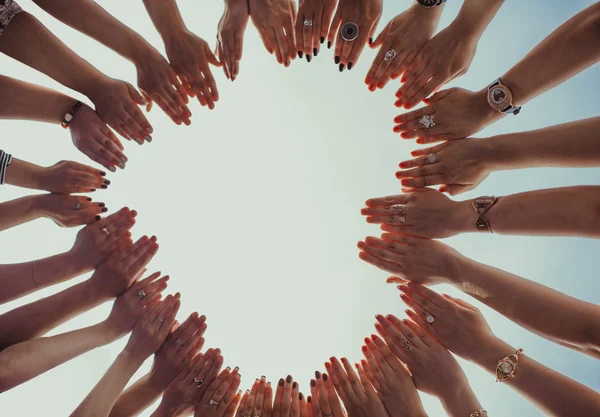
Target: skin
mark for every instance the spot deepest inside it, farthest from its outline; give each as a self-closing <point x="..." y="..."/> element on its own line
<point x="406" y="34"/>
<point x="434" y="370"/>
<point x="310" y="38"/>
<point x="257" y="401"/>
<point x="430" y="213"/>
<point x="462" y="328"/>
<point x="224" y="390"/>
<point x="230" y="36"/>
<point x="156" y="79"/>
<point x="287" y="398"/>
<point x="448" y="54"/>
<point x="324" y="398"/>
<point x="463" y="164"/>
<point x="147" y="336"/>
<point x="275" y="21"/>
<point x="366" y="15"/>
<point x="460" y="113"/>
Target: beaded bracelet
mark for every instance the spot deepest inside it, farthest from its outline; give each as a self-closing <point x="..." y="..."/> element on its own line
<point x="478" y="413"/>
<point x="68" y="118"/>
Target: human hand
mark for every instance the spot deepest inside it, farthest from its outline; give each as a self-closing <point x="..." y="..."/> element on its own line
<point x="422" y="212"/>
<point x="258" y="401"/>
<point x="456" y="112"/>
<point x="365" y="14"/>
<point x="222" y="396"/>
<point x="458" y="325"/>
<point x="174" y="355"/>
<point x="391" y="380"/>
<point x="159" y="83"/>
<point x="121" y="269"/>
<point x="324" y="399"/>
<point x="356" y="392"/>
<point x="230" y="36"/>
<point x="92" y="245"/>
<point x="95" y="139"/>
<point x="445" y="57"/>
<point x="117" y="104"/>
<point x="272" y="18"/>
<point x="68" y="210"/>
<point x="287" y="398"/>
<point x="317" y="15"/>
<point x="460" y="165"/>
<point x="404" y="35"/>
<point x="68" y="177"/>
<point x="129" y="307"/>
<point x="190" y="57"/>
<point x="416" y="259"/>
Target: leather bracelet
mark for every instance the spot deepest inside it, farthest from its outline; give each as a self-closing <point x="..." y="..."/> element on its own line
<point x="478" y="413"/>
<point x="68" y="118"/>
<point x="507" y="367"/>
<point x="481" y="205"/>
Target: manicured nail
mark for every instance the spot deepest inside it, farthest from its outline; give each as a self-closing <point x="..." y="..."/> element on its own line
<point x="327" y="365"/>
<point x="299" y="54"/>
<point x="325" y="377"/>
<point x="294" y="386"/>
<point x="124" y="159"/>
<point x="322" y="39"/>
<point x="309" y="399"/>
<point x="103" y="174"/>
<point x="121" y="165"/>
<point x="149" y="130"/>
<point x="308" y="58"/>
<point x="288" y="379"/>
<point x="370" y="41"/>
<point x="92" y="190"/>
<point x="228" y="368"/>
<point x="104" y="186"/>
<point x="112" y="169"/>
<point x="139" y="141"/>
<point x="88" y="199"/>
<point x="349" y="66"/>
<point x="104" y="210"/>
<point x="341" y="67"/>
<point x="315" y="52"/>
<point x="328" y="44"/>
<point x="317" y="374"/>
<point x="281" y="381"/>
<point x="100" y="204"/>
<point x="147" y="138"/>
<point x="97" y="217"/>
<point x="300" y="396"/>
<point x="312" y="383"/>
<point x="107" y="182"/>
<point x="337" y="59"/>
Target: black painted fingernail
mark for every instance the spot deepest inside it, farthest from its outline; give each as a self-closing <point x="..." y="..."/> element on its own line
<point x="88" y="199"/>
<point x="312" y="383"/>
<point x="104" y="186"/>
<point x="309" y="399"/>
<point x="322" y="39"/>
<point x="294" y="386"/>
<point x="317" y="374"/>
<point x="103" y="173"/>
<point x="370" y="41"/>
<point x="300" y="396"/>
<point x="101" y="204"/>
<point x="328" y="44"/>
<point x="337" y="59"/>
<point x="97" y="217"/>
<point x="315" y="52"/>
<point x="288" y="379"/>
<point x="341" y="67"/>
<point x="325" y="377"/>
<point x="107" y="182"/>
<point x="104" y="210"/>
<point x="299" y="54"/>
<point x="349" y="66"/>
<point x="308" y="58"/>
<point x="281" y="382"/>
<point x="92" y="189"/>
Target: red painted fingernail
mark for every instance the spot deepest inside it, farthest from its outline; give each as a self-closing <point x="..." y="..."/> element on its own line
<point x="364" y="349"/>
<point x="402" y="165"/>
<point x="398" y="175"/>
<point x="405" y="181"/>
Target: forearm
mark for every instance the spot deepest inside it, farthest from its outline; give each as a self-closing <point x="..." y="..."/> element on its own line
<point x="24" y="361"/>
<point x="477" y="15"/>
<point x="18" y="280"/>
<point x="25" y="101"/>
<point x="460" y="400"/>
<point x="36" y="319"/>
<point x="100" y="400"/>
<point x="31" y="43"/>
<point x="24" y="174"/>
<point x="136" y="398"/>
<point x="540" y="309"/>
<point x="553" y="392"/>
<point x="16" y="212"/>
<point x="165" y="16"/>
<point x="571" y="48"/>
<point x="574" y="144"/>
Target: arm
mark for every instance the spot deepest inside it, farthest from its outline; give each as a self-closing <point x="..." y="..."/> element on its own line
<point x="166" y="17"/>
<point x="136" y="398"/>
<point x="16" y="212"/>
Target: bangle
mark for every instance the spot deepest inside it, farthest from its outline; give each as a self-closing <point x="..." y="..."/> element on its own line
<point x="507" y="367"/>
<point x="478" y="413"/>
<point x="5" y="160"/>
<point x="481" y="206"/>
<point x="68" y="118"/>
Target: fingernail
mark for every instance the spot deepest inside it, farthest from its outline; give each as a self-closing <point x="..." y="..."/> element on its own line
<point x="123" y="159"/>
<point x="281" y="382"/>
<point x="147" y="138"/>
<point x="139" y="141"/>
<point x="228" y="368"/>
<point x="341" y="67"/>
<point x="97" y="217"/>
<point x="370" y="41"/>
<point x="104" y="210"/>
<point x="309" y="399"/>
<point x="337" y="59"/>
<point x="144" y="101"/>
<point x="107" y="182"/>
<point x="100" y="204"/>
<point x="294" y="386"/>
<point x="322" y="39"/>
<point x="299" y="54"/>
<point x="328" y="44"/>
<point x="149" y="130"/>
<point x="112" y="169"/>
<point x="308" y="58"/>
<point x="317" y="374"/>
<point x="288" y="379"/>
<point x="349" y="66"/>
<point x="312" y="383"/>
<point x="121" y="165"/>
<point x="103" y="174"/>
<point x="315" y="52"/>
<point x="327" y="365"/>
<point x="92" y="190"/>
<point x="300" y="397"/>
<point x="325" y="377"/>
<point x="104" y="186"/>
<point x="88" y="199"/>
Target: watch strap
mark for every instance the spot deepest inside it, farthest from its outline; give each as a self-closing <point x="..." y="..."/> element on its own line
<point x="481" y="205"/>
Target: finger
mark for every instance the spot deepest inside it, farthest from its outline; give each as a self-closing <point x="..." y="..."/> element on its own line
<point x="422" y="171"/>
<point x="278" y="398"/>
<point x="290" y="36"/>
<point x="250" y="404"/>
<point x="137" y="123"/>
<point x="226" y="58"/>
<point x="286" y="396"/>
<point x="231" y="393"/>
<point x="260" y="397"/>
<point x="412" y="115"/>
<point x="233" y="405"/>
<point x="374" y="371"/>
<point x="241" y="409"/>
<point x="389" y="200"/>
<point x="316" y="34"/>
<point x="283" y="46"/>
<point x="332" y="36"/>
<point x="425" y="90"/>
<point x="268" y="401"/>
<point x="306" y="37"/>
<point x="383" y="254"/>
<point x="425" y="181"/>
<point x="237" y="52"/>
<point x="268" y="40"/>
<point x="417" y="80"/>
<point x="322" y="394"/>
<point x="415" y="162"/>
<point x="295" y="406"/>
<point x="357" y="47"/>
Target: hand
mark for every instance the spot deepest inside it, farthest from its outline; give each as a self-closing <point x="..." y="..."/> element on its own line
<point x="310" y="37"/>
<point x="258" y="401"/>
<point x="461" y="165"/>
<point x="457" y="113"/>
<point x="405" y="35"/>
<point x="129" y="308"/>
<point x="357" y="393"/>
<point x="184" y="392"/>
<point x="92" y="245"/>
<point x="117" y="104"/>
<point x="230" y="37"/>
<point x="69" y="210"/>
<point x="121" y="269"/>
<point x="391" y="380"/>
<point x="445" y="57"/>
<point x="223" y="391"/>
<point x="365" y="14"/>
<point x="422" y="212"/>
<point x="158" y="82"/>
<point x="92" y="137"/>
<point x="182" y="344"/>
<point x="68" y="177"/>
<point x="416" y="259"/>
<point x="152" y="328"/>
<point x="324" y="399"/>
<point x="434" y="370"/>
<point x="189" y="56"/>
<point x="458" y="325"/>
<point x="271" y="18"/>
<point x="287" y="398"/>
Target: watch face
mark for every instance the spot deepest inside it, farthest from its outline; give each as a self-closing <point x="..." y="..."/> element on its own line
<point x="497" y="95"/>
<point x="428" y="3"/>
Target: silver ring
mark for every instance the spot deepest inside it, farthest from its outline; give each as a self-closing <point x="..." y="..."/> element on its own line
<point x="160" y="319"/>
<point x="349" y="31"/>
<point x="427" y="121"/>
<point x="76" y="206"/>
<point x="141" y="293"/>
<point x="431" y="158"/>
<point x="389" y="55"/>
<point x="199" y="382"/>
<point x="308" y="22"/>
<point x="399" y="208"/>
<point x="105" y="231"/>
<point x="402" y="219"/>
<point x="179" y="342"/>
<point x="213" y="402"/>
<point x="405" y="343"/>
<point x="430" y="319"/>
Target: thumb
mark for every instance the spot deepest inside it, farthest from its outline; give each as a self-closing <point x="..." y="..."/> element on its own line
<point x="380" y="38"/>
<point x="396" y="280"/>
<point x="455" y="189"/>
<point x="212" y="59"/>
<point x="136" y="96"/>
<point x="149" y="100"/>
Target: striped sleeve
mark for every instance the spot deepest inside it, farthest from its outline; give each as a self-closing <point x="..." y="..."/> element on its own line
<point x="5" y="160"/>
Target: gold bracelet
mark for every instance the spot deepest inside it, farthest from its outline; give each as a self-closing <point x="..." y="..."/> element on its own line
<point x="478" y="413"/>
<point x="37" y="286"/>
<point x="507" y="367"/>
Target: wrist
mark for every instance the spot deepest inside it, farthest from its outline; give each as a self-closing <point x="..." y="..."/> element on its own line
<point x="92" y="293"/>
<point x="154" y="382"/>
<point x="459" y="399"/>
<point x="74" y="263"/>
<point x="487" y="113"/>
<point x="24" y="174"/>
<point x="491" y="351"/>
<point x="98" y="87"/>
<point x="463" y="217"/>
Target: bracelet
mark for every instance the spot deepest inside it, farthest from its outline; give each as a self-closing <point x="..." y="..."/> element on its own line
<point x="478" y="413"/>
<point x="68" y="118"/>
<point x="481" y="206"/>
<point x="507" y="367"/>
<point x="5" y="160"/>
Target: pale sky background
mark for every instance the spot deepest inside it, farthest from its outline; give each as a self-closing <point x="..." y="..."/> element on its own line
<point x="256" y="206"/>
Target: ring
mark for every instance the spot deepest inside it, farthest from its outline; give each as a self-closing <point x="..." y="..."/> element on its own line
<point x="141" y="294"/>
<point x="349" y="31"/>
<point x="431" y="158"/>
<point x="105" y="231"/>
<point x="399" y="208"/>
<point x="76" y="206"/>
<point x="199" y="382"/>
<point x="427" y="121"/>
<point x="308" y="22"/>
<point x="213" y="402"/>
<point x="180" y="343"/>
<point x="389" y="55"/>
<point x="430" y="319"/>
<point x="402" y="219"/>
<point x="255" y="415"/>
<point x="405" y="343"/>
<point x="160" y="319"/>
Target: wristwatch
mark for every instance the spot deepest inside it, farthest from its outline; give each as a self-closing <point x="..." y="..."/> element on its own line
<point x="481" y="205"/>
<point x="500" y="98"/>
<point x="430" y="3"/>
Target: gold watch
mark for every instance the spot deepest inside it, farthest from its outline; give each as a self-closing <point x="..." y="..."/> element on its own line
<point x="500" y="98"/>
